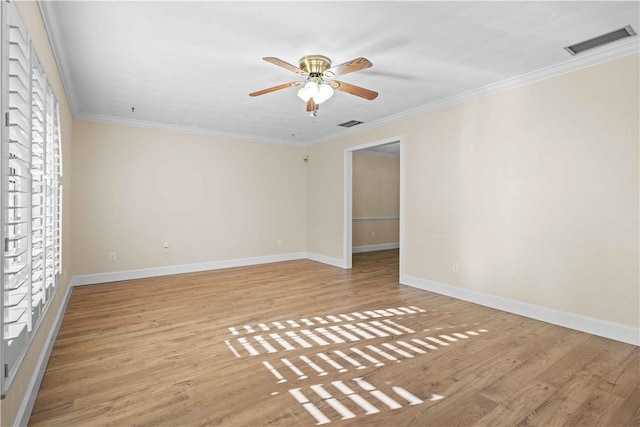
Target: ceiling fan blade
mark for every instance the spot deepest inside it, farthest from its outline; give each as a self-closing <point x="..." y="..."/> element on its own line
<point x="348" y="67"/>
<point x="279" y="62"/>
<point x="354" y="90"/>
<point x="311" y="105"/>
<point x="275" y="88"/>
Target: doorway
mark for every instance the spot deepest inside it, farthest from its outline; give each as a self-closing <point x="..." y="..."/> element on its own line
<point x="390" y="146"/>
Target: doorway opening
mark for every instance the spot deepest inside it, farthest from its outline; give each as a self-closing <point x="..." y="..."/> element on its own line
<point x="382" y="218"/>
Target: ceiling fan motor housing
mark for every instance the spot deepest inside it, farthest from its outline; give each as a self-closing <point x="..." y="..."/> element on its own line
<point x="315" y="65"/>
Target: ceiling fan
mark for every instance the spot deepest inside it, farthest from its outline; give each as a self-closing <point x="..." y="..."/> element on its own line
<point x="319" y="86"/>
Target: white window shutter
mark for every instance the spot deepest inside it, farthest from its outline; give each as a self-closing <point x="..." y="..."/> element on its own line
<point x="16" y="190"/>
<point x="31" y="197"/>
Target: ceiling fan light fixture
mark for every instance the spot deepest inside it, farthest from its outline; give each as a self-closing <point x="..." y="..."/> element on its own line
<point x="315" y="90"/>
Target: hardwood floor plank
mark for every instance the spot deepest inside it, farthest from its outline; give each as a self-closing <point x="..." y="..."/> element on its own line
<point x="301" y="343"/>
<point x="594" y="410"/>
<point x="474" y="409"/>
<point x="526" y="362"/>
<point x="623" y="379"/>
<point x="514" y="409"/>
<point x="628" y="414"/>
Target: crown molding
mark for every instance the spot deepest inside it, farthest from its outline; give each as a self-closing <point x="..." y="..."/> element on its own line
<point x="604" y="54"/>
<point x="183" y="129"/>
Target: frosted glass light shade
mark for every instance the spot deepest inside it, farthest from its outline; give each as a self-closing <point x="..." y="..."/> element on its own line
<point x="324" y="92"/>
<point x="303" y="94"/>
<point x="311" y="88"/>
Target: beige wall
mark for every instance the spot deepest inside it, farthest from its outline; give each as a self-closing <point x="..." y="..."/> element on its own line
<point x="367" y="234"/>
<point x="375" y="194"/>
<point x="213" y="199"/>
<point x="533" y="191"/>
<point x="33" y="22"/>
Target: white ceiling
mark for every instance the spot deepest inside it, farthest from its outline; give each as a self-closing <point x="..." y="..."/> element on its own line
<point x="191" y="65"/>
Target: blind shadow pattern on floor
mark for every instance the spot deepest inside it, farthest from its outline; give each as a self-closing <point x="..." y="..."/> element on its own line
<point x="344" y="344"/>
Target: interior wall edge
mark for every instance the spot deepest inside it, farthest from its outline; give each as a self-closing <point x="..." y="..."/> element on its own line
<point x="602" y="328"/>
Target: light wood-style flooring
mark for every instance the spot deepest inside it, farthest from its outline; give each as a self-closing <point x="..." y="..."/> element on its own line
<point x="300" y="343"/>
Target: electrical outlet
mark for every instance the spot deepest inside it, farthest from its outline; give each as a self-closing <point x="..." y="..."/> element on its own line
<point x="373" y="234"/>
<point x="279" y="243"/>
<point x="165" y="244"/>
<point x="112" y="257"/>
<point x="454" y="267"/>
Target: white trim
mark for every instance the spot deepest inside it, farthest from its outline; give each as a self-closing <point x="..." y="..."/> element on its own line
<point x="403" y="201"/>
<point x="614" y="331"/>
<point x="336" y="262"/>
<point x="116" y="276"/>
<point x="347" y="238"/>
<point x="376" y="218"/>
<point x="347" y="218"/>
<point x="29" y="399"/>
<point x="373" y="248"/>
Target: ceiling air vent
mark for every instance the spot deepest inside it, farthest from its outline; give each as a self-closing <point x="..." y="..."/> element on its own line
<point x="350" y="123"/>
<point x="613" y="36"/>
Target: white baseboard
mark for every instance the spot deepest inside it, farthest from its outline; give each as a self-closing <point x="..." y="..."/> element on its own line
<point x="29" y="398"/>
<point x="116" y="276"/>
<point x="372" y="248"/>
<point x="143" y="273"/>
<point x="336" y="262"/>
<point x="614" y="331"/>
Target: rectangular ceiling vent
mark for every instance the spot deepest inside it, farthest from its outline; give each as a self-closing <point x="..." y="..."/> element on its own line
<point x="350" y="123"/>
<point x="613" y="36"/>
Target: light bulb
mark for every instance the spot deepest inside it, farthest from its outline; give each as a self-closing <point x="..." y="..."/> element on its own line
<point x="303" y="94"/>
<point x="311" y="88"/>
<point x="325" y="92"/>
